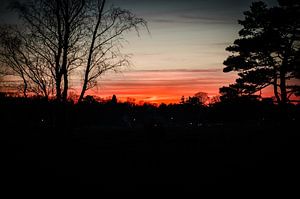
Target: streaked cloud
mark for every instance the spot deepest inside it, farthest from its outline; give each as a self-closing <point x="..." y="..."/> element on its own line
<point x="186" y="48"/>
<point x="162" y="85"/>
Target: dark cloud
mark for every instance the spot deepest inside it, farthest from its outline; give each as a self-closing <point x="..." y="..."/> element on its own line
<point x="164" y="21"/>
<point x="208" y="19"/>
<point x="163" y="11"/>
<point x="189" y="11"/>
<point x="195" y="20"/>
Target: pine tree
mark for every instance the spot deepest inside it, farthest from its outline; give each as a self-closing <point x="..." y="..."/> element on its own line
<point x="267" y="51"/>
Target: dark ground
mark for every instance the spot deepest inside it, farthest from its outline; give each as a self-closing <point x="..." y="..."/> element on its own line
<point x="156" y="158"/>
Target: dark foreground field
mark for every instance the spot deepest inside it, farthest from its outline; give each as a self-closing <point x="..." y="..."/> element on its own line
<point x="138" y="159"/>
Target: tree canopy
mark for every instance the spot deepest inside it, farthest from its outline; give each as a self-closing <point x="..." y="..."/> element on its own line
<point x="267" y="52"/>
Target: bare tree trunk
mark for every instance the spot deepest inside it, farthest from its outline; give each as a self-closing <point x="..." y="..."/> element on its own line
<point x="88" y="66"/>
<point x="59" y="52"/>
<point x="25" y="88"/>
<point x="25" y="84"/>
<point x="64" y="70"/>
<point x="66" y="87"/>
<point x="45" y="91"/>
<point x="275" y="86"/>
<point x="58" y="89"/>
<point x="84" y="87"/>
<point x="283" y="92"/>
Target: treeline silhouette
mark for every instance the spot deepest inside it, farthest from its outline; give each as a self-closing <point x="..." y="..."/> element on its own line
<point x="41" y="112"/>
<point x="127" y="147"/>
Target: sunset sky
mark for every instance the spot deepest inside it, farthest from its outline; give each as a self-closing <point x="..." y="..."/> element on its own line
<point x="182" y="55"/>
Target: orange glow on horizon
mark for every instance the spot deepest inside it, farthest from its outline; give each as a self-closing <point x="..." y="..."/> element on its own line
<point x="161" y="86"/>
<point x="164" y="86"/>
<point x="158" y="86"/>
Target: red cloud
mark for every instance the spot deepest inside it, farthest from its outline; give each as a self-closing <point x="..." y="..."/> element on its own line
<point x="162" y="85"/>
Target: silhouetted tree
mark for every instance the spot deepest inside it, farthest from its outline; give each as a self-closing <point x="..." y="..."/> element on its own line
<point x="114" y="99"/>
<point x="130" y="100"/>
<point x="17" y="59"/>
<point x="89" y="99"/>
<point x="215" y="99"/>
<point x="199" y="98"/>
<point x="105" y="30"/>
<point x="182" y="100"/>
<point x="53" y="31"/>
<point x="193" y="101"/>
<point x="61" y="36"/>
<point x="231" y="92"/>
<point x="9" y="44"/>
<point x="267" y="52"/>
<point x="202" y="96"/>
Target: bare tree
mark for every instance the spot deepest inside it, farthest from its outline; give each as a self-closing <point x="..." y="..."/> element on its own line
<point x="215" y="99"/>
<point x="18" y="60"/>
<point x="54" y="31"/>
<point x="8" y="46"/>
<point x="202" y="96"/>
<point x="62" y="36"/>
<point x="104" y="41"/>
